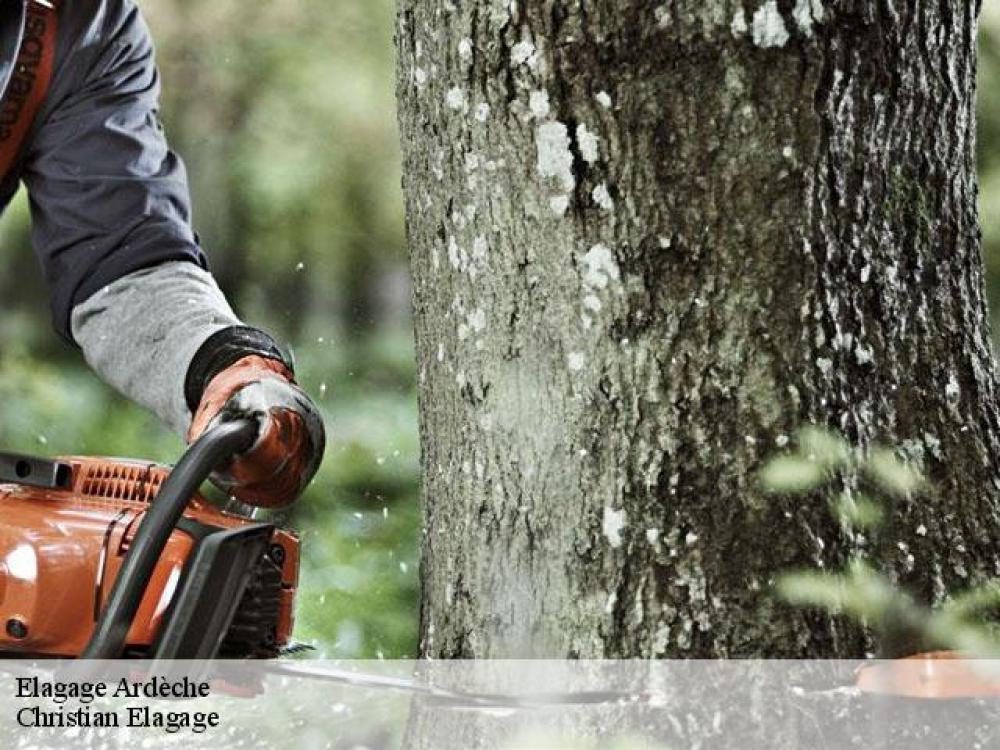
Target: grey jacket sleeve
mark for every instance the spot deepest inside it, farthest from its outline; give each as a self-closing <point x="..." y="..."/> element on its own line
<point x="108" y="197"/>
<point x="141" y="332"/>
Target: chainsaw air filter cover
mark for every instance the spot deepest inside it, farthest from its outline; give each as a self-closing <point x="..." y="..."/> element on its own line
<point x="224" y="585"/>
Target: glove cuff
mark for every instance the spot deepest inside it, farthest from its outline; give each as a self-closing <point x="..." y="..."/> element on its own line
<point x="244" y="372"/>
<point x="223" y="349"/>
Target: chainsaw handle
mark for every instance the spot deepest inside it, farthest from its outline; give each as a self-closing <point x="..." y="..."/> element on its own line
<point x="215" y="447"/>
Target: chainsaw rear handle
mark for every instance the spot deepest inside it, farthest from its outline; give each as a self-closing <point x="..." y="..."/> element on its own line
<point x="213" y="449"/>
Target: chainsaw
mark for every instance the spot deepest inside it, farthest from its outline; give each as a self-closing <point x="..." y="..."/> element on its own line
<point x="105" y="558"/>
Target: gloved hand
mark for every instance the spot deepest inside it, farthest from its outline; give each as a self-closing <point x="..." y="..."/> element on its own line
<point x="275" y="470"/>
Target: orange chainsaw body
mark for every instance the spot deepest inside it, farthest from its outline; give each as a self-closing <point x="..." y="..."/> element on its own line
<point x="61" y="550"/>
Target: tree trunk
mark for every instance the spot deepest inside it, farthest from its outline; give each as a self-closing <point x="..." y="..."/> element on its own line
<point x="648" y="241"/>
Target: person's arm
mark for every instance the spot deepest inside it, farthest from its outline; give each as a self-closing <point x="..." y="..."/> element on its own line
<point x="107" y="195"/>
<point x="167" y="338"/>
<point x="111" y="226"/>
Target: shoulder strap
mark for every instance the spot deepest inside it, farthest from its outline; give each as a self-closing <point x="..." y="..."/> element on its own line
<point x="29" y="80"/>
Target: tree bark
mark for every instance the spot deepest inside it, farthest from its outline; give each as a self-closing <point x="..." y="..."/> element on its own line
<point x="648" y="241"/>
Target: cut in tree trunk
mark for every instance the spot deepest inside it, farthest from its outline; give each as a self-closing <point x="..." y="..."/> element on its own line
<point x="648" y="241"/>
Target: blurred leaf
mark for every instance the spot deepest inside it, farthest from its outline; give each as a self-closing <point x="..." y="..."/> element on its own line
<point x="860" y="592"/>
<point x="823" y="446"/>
<point x="791" y="473"/>
<point x="891" y="473"/>
<point x="811" y="589"/>
<point x="857" y="511"/>
<point x="974" y="601"/>
<point x="970" y="638"/>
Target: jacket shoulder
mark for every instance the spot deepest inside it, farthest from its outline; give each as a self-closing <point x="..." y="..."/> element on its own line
<point x="84" y="24"/>
<point x="96" y="36"/>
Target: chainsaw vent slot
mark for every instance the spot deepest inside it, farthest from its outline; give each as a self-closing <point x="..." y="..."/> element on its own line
<point x="120" y="482"/>
<point x="252" y="631"/>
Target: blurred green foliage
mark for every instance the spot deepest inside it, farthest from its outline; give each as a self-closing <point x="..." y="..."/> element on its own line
<point x="285" y="116"/>
<point x="988" y="120"/>
<point x="965" y="622"/>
